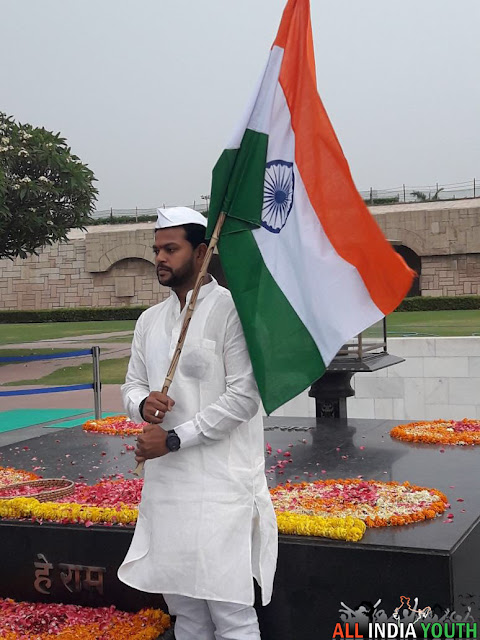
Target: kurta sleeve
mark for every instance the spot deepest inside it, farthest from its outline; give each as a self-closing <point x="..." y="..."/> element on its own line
<point x="240" y="401"/>
<point x="136" y="386"/>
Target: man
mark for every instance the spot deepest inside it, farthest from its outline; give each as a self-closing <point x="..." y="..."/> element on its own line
<point x="206" y="525"/>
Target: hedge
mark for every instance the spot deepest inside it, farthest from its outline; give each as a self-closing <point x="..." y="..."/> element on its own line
<point x="85" y="314"/>
<point x="79" y="314"/>
<point x="445" y="303"/>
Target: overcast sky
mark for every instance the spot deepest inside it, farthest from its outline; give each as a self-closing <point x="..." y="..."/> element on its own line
<point x="147" y="91"/>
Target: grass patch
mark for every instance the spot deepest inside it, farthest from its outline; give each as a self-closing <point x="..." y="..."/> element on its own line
<point x="434" y="323"/>
<point x="18" y="333"/>
<point x="111" y="372"/>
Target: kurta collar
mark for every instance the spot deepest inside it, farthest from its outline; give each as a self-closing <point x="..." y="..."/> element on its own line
<point x="204" y="291"/>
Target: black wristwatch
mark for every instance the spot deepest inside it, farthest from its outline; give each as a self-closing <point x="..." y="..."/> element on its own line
<point x="173" y="440"/>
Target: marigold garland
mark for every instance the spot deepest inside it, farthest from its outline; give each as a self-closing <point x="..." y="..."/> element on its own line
<point x="350" y="529"/>
<point x="114" y="426"/>
<point x="461" y="432"/>
<point x="25" y="621"/>
<point x="68" y="512"/>
<point x="377" y="504"/>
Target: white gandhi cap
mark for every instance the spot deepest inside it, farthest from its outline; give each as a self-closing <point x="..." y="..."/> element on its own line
<point x="176" y="216"/>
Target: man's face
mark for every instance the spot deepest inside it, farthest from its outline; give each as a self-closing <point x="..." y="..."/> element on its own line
<point x="174" y="257"/>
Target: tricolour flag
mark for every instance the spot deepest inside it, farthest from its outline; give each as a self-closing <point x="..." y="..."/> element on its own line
<point x="306" y="263"/>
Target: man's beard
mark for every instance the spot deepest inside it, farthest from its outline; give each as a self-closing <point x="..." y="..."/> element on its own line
<point x="178" y="277"/>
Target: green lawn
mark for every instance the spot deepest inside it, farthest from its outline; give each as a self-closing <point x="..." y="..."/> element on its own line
<point x="31" y="332"/>
<point x="440" y="323"/>
<point x="434" y="323"/>
<point x="411" y="323"/>
<point x="111" y="372"/>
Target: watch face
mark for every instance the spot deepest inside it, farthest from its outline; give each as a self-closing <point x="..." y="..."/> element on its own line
<point x="173" y="441"/>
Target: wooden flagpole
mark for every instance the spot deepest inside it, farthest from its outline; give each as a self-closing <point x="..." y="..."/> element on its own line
<point x="188" y="315"/>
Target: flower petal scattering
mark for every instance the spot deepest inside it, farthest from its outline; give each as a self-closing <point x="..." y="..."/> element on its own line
<point x="454" y="432"/>
<point x="9" y="476"/>
<point x="38" y="621"/>
<point x="377" y="504"/>
<point x="114" y="426"/>
<point x="338" y="509"/>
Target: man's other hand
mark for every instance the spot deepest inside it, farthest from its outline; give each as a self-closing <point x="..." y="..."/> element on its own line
<point x="156" y="406"/>
<point x="151" y="443"/>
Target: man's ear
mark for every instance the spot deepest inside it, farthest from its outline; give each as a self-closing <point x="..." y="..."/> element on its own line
<point x="201" y="251"/>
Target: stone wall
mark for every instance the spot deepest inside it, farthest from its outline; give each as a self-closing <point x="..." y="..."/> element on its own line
<point x="456" y="275"/>
<point x="113" y="265"/>
<point x="57" y="277"/>
<point x="433" y="228"/>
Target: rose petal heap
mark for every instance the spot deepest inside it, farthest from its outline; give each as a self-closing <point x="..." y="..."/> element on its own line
<point x="9" y="476"/>
<point x="27" y="621"/>
<point x="114" y="426"/>
<point x="108" y="493"/>
<point x="461" y="432"/>
<point x="15" y="491"/>
<point x="377" y="504"/>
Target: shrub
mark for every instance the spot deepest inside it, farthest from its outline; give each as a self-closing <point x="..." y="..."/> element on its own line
<point x="444" y="303"/>
<point x="79" y="314"/>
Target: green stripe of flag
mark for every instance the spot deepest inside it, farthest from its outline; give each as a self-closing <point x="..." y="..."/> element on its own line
<point x="284" y="357"/>
<point x="237" y="184"/>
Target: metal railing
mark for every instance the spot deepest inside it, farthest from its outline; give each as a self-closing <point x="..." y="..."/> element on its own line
<point x="96" y="385"/>
<point x="422" y="193"/>
<point x="395" y="195"/>
<point x="138" y="214"/>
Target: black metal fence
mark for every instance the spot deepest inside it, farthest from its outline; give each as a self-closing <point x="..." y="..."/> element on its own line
<point x="423" y="193"/>
<point x="372" y="196"/>
<point x="142" y="214"/>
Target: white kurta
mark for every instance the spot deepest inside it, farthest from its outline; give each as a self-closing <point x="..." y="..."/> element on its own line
<point x="206" y="523"/>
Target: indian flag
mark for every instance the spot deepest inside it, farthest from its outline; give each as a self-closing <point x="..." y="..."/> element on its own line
<point x="306" y="263"/>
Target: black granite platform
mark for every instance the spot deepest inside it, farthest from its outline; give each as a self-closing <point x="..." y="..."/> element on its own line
<point x="435" y="561"/>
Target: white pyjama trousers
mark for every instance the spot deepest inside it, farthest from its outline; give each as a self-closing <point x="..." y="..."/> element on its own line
<point x="212" y="620"/>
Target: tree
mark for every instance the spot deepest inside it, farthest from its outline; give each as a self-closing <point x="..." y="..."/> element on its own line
<point x="423" y="197"/>
<point x="45" y="190"/>
<point x="419" y="195"/>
